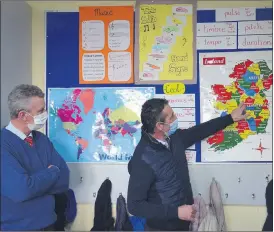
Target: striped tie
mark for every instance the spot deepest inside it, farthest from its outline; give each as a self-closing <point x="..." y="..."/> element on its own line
<point x="29" y="140"/>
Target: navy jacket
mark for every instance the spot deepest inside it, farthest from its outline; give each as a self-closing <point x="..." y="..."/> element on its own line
<point x="159" y="178"/>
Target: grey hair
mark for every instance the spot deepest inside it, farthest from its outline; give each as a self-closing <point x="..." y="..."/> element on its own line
<point x="19" y="98"/>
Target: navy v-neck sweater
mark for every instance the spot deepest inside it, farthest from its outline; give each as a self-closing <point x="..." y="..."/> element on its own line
<point x="27" y="184"/>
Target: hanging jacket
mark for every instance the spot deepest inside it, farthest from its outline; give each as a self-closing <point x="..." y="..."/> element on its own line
<point x="65" y="209"/>
<point x="209" y="223"/>
<point x="268" y="225"/>
<point x="201" y="212"/>
<point x="103" y="220"/>
<point x="215" y="218"/>
<point x="122" y="219"/>
<point x="217" y="204"/>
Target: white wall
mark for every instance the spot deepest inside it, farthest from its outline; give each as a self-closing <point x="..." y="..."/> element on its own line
<point x="16" y="50"/>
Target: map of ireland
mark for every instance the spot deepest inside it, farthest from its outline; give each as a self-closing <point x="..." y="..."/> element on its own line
<point x="227" y="79"/>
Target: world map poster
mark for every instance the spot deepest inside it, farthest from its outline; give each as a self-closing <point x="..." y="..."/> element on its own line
<point x="227" y="79"/>
<point x="96" y="124"/>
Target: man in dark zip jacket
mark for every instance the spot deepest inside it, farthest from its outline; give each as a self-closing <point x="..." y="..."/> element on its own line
<point x="159" y="186"/>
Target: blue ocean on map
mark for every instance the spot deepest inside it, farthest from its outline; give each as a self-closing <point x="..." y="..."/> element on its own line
<point x="96" y="124"/>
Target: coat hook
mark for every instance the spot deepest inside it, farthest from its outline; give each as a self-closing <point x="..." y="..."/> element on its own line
<point x="267" y="178"/>
<point x="226" y="195"/>
<point x="94" y="194"/>
<point x="239" y="180"/>
<point x="81" y="179"/>
<point x="199" y="194"/>
<point x="120" y="194"/>
<point x="253" y="195"/>
<point x="107" y="178"/>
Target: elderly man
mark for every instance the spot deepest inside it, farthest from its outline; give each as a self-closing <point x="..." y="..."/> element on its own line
<point x="159" y="187"/>
<point x="31" y="169"/>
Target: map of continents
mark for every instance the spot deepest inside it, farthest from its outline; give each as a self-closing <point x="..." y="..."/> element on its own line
<point x="251" y="82"/>
<point x="96" y="124"/>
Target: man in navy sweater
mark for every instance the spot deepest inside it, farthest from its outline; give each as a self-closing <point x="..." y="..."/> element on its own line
<point x="31" y="169"/>
<point x="159" y="186"/>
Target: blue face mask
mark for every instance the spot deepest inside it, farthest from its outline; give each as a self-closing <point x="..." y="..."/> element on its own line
<point x="173" y="127"/>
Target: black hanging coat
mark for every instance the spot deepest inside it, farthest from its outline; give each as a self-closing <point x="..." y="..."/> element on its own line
<point x="268" y="225"/>
<point x="103" y="220"/>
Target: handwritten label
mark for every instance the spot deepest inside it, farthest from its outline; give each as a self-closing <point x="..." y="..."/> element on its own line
<point x="148" y="19"/>
<point x="255" y="41"/>
<point x="93" y="35"/>
<point x="216" y="29"/>
<point x="182" y="100"/>
<point x="235" y="14"/>
<point x="119" y="66"/>
<point x="93" y="67"/>
<point x="185" y="114"/>
<point x="186" y="125"/>
<point x="119" y="35"/>
<point x="149" y="75"/>
<point x="255" y="27"/>
<point x="214" y="61"/>
<point x="190" y="156"/>
<point x="174" y="88"/>
<point x="101" y="12"/>
<point x="182" y="10"/>
<point x="218" y="42"/>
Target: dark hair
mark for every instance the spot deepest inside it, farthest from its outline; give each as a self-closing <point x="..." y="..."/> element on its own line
<point x="152" y="112"/>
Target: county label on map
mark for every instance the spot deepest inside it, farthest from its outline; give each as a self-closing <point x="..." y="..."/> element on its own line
<point x="227" y="79"/>
<point x="96" y="124"/>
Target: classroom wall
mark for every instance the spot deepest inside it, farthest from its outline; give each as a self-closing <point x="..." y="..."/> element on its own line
<point x="239" y="218"/>
<point x="15" y="50"/>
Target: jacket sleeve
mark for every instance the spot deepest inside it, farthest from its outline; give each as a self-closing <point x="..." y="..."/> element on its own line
<point x="141" y="178"/>
<point x="197" y="133"/>
<point x="62" y="184"/>
<point x="18" y="185"/>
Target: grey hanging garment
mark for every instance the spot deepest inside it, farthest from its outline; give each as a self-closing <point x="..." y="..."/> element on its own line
<point x="209" y="223"/>
<point x="122" y="219"/>
<point x="201" y="212"/>
<point x="216" y="204"/>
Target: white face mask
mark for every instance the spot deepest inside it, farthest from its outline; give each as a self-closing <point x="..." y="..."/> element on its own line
<point x="39" y="121"/>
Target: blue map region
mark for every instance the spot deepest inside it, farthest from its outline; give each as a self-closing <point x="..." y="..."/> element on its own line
<point x="250" y="77"/>
<point x="252" y="124"/>
<point x="248" y="92"/>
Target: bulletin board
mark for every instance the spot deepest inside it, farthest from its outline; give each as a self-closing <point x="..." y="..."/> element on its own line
<point x="62" y="71"/>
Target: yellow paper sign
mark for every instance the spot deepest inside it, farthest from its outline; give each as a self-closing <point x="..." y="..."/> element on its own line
<point x="165" y="42"/>
<point x="174" y="88"/>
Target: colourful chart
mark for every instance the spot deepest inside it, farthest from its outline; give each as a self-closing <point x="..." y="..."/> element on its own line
<point x="96" y="124"/>
<point x="165" y="42"/>
<point x="226" y="80"/>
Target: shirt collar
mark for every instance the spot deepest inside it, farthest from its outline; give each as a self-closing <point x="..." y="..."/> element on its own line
<point x="163" y="142"/>
<point x="17" y="132"/>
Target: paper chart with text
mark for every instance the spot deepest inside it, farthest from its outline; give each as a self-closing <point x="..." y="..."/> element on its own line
<point x="165" y="42"/>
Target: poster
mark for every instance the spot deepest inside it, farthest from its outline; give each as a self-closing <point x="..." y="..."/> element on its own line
<point x="227" y="79"/>
<point x="106" y="45"/>
<point x="165" y="43"/>
<point x="96" y="124"/>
